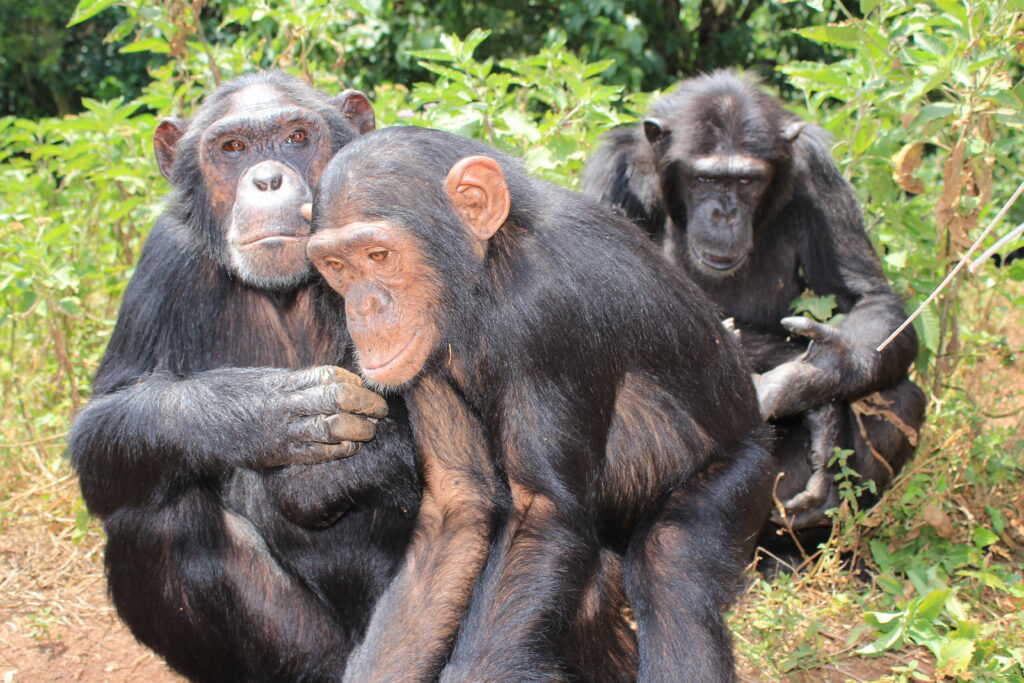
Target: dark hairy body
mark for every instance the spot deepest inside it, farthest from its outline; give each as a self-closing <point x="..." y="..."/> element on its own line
<point x="603" y="436"/>
<point x="744" y="197"/>
<point x="242" y="544"/>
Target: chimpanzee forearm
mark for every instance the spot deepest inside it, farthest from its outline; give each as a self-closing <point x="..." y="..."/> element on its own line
<point x="417" y="618"/>
<point x="163" y="429"/>
<point x="867" y="325"/>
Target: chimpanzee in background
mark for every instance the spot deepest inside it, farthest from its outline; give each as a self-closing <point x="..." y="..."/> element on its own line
<point x="571" y="399"/>
<point x="745" y="197"/>
<point x="221" y="552"/>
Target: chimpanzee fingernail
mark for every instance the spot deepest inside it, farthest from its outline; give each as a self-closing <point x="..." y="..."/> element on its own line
<point x="307" y="211"/>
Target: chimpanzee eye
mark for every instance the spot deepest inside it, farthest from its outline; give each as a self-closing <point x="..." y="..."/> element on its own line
<point x="334" y="265"/>
<point x="297" y="137"/>
<point x="745" y="181"/>
<point x="233" y="146"/>
<point x="379" y="255"/>
<point x="705" y="179"/>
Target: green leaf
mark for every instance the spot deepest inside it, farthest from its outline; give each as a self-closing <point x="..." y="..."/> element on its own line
<point x="840" y="35"/>
<point x="927" y="325"/>
<point x="954" y="656"/>
<point x="983" y="537"/>
<point x="87" y="9"/>
<point x="155" y="45"/>
<point x="867" y="5"/>
<point x="932" y="604"/>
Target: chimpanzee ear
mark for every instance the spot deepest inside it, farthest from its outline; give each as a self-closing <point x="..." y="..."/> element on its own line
<point x="165" y="143"/>
<point x="792" y="129"/>
<point x="655" y="130"/>
<point x="478" y="192"/>
<point x="357" y="109"/>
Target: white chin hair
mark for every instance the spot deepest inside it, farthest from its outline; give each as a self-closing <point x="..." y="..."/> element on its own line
<point x="259" y="279"/>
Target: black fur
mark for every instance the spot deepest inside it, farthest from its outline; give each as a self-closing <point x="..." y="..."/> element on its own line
<point x="172" y="452"/>
<point x="807" y="234"/>
<point x="610" y="399"/>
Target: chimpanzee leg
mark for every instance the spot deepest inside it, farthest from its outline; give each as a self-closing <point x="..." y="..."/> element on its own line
<point x="532" y="583"/>
<point x="885" y="428"/>
<point x="600" y="646"/>
<point x="683" y="566"/>
<point x="881" y="429"/>
<point x="213" y="600"/>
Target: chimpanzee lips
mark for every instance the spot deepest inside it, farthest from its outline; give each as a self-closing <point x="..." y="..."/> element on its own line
<point x="718" y="261"/>
<point x="379" y="359"/>
<point x="268" y="237"/>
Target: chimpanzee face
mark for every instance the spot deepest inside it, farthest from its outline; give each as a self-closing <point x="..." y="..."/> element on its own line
<point x="722" y="195"/>
<point x="258" y="162"/>
<point x="715" y="196"/>
<point x="390" y="291"/>
<point x="393" y="293"/>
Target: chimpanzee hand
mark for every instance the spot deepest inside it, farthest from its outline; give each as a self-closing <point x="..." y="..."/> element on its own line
<point x="815" y="378"/>
<point x="315" y="415"/>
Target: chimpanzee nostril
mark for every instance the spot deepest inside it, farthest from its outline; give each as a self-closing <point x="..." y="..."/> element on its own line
<point x="268" y="181"/>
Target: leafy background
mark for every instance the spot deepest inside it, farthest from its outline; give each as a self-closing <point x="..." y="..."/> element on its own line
<point x="925" y="101"/>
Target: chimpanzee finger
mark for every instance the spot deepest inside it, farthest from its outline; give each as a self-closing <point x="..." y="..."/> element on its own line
<point x="333" y="428"/>
<point x="328" y="399"/>
<point x="313" y="453"/>
<point x="806" y="327"/>
<point x="324" y="374"/>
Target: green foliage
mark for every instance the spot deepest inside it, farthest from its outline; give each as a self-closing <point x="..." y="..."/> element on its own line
<point x="926" y="110"/>
<point x="46" y="69"/>
<point x="76" y="195"/>
<point x="924" y="105"/>
<point x="547" y="108"/>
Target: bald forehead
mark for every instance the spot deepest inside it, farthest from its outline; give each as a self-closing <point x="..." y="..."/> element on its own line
<point x="257" y="97"/>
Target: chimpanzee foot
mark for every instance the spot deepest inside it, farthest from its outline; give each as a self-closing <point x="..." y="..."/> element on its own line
<point x="807" y="508"/>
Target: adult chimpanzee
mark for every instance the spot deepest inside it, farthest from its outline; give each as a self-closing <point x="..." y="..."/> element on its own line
<point x="570" y="399"/>
<point x="195" y="411"/>
<point x="744" y="197"/>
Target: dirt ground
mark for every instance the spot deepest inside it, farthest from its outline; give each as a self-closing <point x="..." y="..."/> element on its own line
<point x="57" y="624"/>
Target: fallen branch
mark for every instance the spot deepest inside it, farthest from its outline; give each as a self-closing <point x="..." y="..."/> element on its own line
<point x="1003" y="241"/>
<point x="952" y="274"/>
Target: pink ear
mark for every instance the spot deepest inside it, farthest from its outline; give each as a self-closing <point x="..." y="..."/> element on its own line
<point x="357" y="109"/>
<point x="478" y="193"/>
<point x="165" y="143"/>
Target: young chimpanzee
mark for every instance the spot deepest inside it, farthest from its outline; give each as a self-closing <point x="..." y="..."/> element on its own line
<point x="744" y="197"/>
<point x="212" y="447"/>
<point x="574" y="405"/>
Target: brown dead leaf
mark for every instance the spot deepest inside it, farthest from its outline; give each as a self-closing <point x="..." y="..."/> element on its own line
<point x="937" y="519"/>
<point x="904" y="163"/>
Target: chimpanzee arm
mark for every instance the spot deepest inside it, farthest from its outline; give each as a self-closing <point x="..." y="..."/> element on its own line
<point x="418" y="615"/>
<point x="621" y="173"/>
<point x="837" y="258"/>
<point x="155" y="420"/>
<point x="317" y="495"/>
<point x="546" y="548"/>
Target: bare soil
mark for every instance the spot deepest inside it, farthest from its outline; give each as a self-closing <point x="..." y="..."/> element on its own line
<point x="56" y="622"/>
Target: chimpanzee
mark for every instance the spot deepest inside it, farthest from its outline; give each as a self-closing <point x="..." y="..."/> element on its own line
<point x="241" y="544"/>
<point x="578" y="411"/>
<point x="744" y="197"/>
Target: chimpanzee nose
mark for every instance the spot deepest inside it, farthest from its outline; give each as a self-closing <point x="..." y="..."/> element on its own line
<point x="718" y="214"/>
<point x="267" y="179"/>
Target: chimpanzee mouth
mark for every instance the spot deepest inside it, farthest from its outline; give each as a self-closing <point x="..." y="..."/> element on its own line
<point x="718" y="262"/>
<point x="380" y="365"/>
<point x="275" y="238"/>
